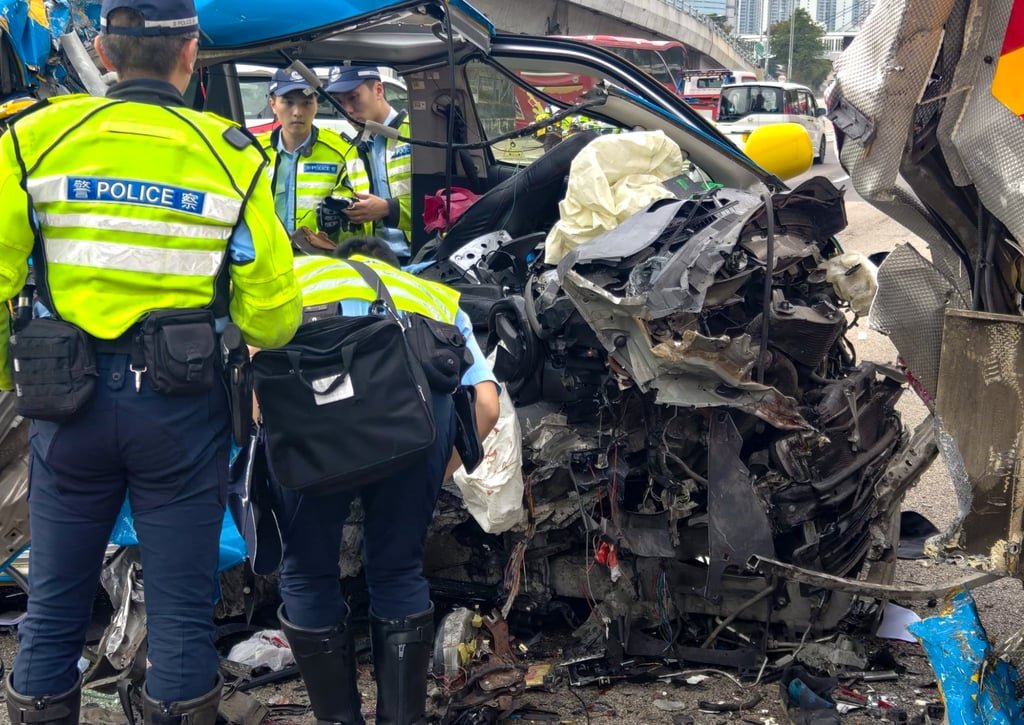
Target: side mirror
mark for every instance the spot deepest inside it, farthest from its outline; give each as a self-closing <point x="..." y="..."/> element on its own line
<point x="783" y="149"/>
<point x="819" y="112"/>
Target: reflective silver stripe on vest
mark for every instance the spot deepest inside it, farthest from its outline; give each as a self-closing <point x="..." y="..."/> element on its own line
<point x="133" y="258"/>
<point x="308" y="202"/>
<point x="348" y="289"/>
<point x="140" y="226"/>
<point x="215" y="206"/>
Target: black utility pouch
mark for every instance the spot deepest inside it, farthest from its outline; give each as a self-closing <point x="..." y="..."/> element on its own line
<point x="441" y="350"/>
<point x="54" y="369"/>
<point x="180" y="351"/>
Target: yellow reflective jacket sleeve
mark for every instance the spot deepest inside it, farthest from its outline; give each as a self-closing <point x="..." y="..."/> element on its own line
<point x="266" y="301"/>
<point x="15" y="245"/>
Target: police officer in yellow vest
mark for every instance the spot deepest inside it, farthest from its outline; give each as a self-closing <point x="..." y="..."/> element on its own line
<point x="382" y="173"/>
<point x="308" y="165"/>
<point x="397" y="511"/>
<point x="140" y="214"/>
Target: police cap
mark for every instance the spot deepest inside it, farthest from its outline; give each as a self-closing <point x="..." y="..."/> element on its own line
<point x="352" y="76"/>
<point x="161" y="17"/>
<point x="286" y="81"/>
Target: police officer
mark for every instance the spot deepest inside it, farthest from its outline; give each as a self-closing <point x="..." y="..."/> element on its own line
<point x="308" y="164"/>
<point x="382" y="175"/>
<point x="135" y="203"/>
<point x="398" y="509"/>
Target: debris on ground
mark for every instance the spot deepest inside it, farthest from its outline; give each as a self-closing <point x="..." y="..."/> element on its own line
<point x="978" y="688"/>
<point x="267" y="648"/>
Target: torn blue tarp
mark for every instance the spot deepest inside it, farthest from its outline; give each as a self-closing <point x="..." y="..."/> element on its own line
<point x="32" y="28"/>
<point x="231" y="550"/>
<point x="241" y="23"/>
<point x="978" y="688"/>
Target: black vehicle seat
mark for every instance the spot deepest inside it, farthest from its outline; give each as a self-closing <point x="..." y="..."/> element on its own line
<point x="523" y="203"/>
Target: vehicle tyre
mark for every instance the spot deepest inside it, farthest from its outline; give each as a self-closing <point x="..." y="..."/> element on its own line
<point x="820" y="158"/>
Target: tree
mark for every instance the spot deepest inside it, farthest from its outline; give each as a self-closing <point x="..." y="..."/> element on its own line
<point x="810" y="67"/>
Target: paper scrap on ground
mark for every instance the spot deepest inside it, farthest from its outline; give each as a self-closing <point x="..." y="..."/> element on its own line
<point x="895" y="620"/>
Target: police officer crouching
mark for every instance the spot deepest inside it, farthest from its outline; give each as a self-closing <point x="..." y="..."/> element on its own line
<point x="397" y="511"/>
<point x="140" y="215"/>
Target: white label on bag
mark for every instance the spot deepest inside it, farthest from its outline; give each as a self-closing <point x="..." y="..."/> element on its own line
<point x="344" y="391"/>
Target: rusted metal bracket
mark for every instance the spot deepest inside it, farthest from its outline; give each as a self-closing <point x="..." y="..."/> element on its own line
<point x="764" y="565"/>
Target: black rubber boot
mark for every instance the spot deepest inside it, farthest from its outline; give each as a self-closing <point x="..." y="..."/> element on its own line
<point x="327" y="662"/>
<point x="200" y="711"/>
<point x="402" y="649"/>
<point x="60" y="709"/>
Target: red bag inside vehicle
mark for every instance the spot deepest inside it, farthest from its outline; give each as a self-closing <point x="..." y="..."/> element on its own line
<point x="435" y="208"/>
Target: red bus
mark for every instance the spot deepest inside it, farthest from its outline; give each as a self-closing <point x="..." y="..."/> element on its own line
<point x="664" y="60"/>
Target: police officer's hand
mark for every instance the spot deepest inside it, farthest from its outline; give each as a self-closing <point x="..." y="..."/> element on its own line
<point x="329" y="217"/>
<point x="367" y="208"/>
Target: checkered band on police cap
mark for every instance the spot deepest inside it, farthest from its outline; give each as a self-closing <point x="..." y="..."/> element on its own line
<point x="161" y="17"/>
<point x="351" y="77"/>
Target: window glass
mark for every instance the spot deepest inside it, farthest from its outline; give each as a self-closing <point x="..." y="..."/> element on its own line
<point x="740" y="101"/>
<point x="254" y="96"/>
<point x="503" y="106"/>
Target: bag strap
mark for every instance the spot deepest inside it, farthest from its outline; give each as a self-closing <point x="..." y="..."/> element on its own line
<point x="375" y="282"/>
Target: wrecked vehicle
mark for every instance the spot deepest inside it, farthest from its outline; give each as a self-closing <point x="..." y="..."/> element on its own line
<point x="705" y="461"/>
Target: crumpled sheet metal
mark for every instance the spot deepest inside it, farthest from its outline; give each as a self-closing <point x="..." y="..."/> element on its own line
<point x="669" y="367"/>
<point x="883" y="75"/>
<point x="909" y="306"/>
<point x="981" y="136"/>
<point x="978" y="688"/>
<point x="957" y="469"/>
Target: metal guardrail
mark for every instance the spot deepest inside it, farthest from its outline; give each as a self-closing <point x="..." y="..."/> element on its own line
<point x="715" y="28"/>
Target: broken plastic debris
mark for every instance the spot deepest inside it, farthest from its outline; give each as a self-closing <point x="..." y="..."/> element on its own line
<point x="855" y="279"/>
<point x="895" y="620"/>
<point x="979" y="688"/>
<point x="267" y="648"/>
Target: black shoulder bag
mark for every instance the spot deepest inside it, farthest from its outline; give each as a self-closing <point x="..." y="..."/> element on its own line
<point x="344" y="404"/>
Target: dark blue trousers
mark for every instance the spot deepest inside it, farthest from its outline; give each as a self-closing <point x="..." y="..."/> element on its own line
<point x="398" y="511"/>
<point x="171" y="457"/>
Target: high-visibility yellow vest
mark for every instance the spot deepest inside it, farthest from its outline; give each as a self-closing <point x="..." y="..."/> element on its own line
<point x="324" y="172"/>
<point x="398" y="164"/>
<point x="135" y="204"/>
<point x="325" y="279"/>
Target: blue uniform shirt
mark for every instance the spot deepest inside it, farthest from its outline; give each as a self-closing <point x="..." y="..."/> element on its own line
<point x="284" y="182"/>
<point x="378" y="158"/>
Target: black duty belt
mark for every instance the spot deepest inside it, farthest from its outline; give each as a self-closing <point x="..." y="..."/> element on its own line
<point x="119" y="345"/>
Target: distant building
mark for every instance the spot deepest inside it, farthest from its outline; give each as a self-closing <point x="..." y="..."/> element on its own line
<point x="754" y="16"/>
<point x="730" y="14"/>
<point x="826" y="14"/>
<point x="848" y="15"/>
<point x="778" y="10"/>
<point x="748" y="17"/>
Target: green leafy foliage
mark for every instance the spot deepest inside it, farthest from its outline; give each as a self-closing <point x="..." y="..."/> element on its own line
<point x="810" y="67"/>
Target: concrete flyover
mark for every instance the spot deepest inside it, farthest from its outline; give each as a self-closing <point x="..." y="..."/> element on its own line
<point x="711" y="47"/>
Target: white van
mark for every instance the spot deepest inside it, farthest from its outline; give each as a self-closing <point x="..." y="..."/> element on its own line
<point x="744" y="107"/>
<point x="702" y="88"/>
